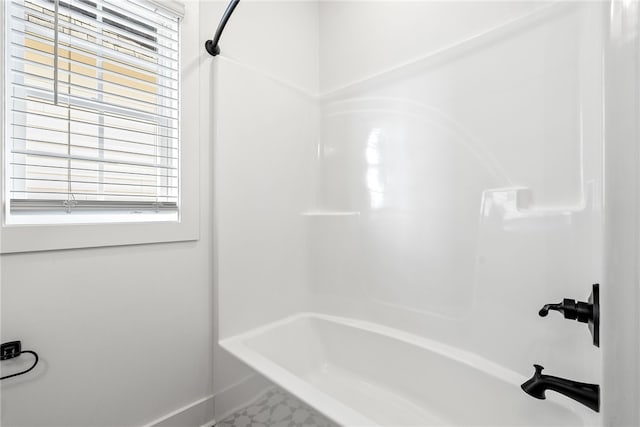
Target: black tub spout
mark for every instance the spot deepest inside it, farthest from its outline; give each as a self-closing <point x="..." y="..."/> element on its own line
<point x="587" y="394"/>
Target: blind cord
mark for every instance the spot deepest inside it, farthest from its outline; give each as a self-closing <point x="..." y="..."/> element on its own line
<point x="56" y="5"/>
<point x="35" y="362"/>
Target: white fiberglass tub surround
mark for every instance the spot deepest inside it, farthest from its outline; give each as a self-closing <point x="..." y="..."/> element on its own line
<point x="434" y="172"/>
<point x="359" y="373"/>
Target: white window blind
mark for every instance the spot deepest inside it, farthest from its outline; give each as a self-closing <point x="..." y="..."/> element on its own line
<point x="92" y="107"/>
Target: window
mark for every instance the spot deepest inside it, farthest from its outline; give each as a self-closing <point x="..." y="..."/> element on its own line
<point x="92" y="112"/>
<point x="109" y="159"/>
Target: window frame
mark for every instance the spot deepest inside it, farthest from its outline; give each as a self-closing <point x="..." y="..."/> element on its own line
<point x="34" y="237"/>
<point x="86" y="209"/>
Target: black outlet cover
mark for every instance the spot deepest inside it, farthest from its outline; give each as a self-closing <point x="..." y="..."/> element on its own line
<point x="9" y="350"/>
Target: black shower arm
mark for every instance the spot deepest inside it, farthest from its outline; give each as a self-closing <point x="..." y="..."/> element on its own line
<point x="212" y="45"/>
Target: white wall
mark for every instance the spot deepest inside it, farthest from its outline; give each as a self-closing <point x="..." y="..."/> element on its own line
<point x="620" y="300"/>
<point x="125" y="334"/>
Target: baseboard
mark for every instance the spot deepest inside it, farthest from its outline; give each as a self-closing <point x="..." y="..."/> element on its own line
<point x="195" y="414"/>
<point x="203" y="412"/>
<point x="239" y="395"/>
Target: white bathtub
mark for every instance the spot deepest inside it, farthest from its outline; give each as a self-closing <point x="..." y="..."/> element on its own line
<point x="359" y="373"/>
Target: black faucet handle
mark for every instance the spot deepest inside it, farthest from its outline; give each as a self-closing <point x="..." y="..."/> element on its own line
<point x="545" y="310"/>
<point x="571" y="309"/>
<point x="584" y="312"/>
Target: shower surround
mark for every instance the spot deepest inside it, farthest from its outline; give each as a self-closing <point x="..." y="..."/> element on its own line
<point x="399" y="188"/>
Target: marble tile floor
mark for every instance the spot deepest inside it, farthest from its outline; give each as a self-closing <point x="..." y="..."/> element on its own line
<point x="276" y="408"/>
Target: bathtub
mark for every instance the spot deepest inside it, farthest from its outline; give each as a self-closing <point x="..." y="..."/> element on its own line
<point x="359" y="373"/>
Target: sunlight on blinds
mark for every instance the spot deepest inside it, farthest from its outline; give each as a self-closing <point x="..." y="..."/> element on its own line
<point x="93" y="106"/>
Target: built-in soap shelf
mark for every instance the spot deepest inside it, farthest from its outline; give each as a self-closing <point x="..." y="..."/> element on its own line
<point x="516" y="203"/>
<point x="329" y="213"/>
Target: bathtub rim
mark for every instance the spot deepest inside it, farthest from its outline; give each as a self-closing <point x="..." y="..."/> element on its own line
<point x="343" y="414"/>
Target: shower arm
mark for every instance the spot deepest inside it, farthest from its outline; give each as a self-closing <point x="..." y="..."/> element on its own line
<point x="212" y="45"/>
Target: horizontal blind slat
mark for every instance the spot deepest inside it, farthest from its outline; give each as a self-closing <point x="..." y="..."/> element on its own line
<point x="101" y="149"/>
<point x="76" y="181"/>
<point x="132" y="20"/>
<point x="141" y="10"/>
<point x="110" y="138"/>
<point x="90" y="123"/>
<point x="39" y="33"/>
<point x="46" y="205"/>
<point x="81" y="193"/>
<point x="163" y="82"/>
<point x="48" y="21"/>
<point x="91" y="159"/>
<point x="91" y="104"/>
<point x="94" y="16"/>
<point x="108" y="171"/>
<point x="170" y="91"/>
<point x="81" y="46"/>
<point x="97" y="92"/>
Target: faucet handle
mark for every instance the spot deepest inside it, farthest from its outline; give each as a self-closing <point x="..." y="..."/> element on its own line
<point x="584" y="312"/>
<point x="545" y="310"/>
<point x="580" y="311"/>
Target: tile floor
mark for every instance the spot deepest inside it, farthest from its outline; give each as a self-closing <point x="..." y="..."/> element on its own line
<point x="276" y="408"/>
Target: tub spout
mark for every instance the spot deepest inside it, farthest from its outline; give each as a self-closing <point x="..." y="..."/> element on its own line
<point x="587" y="394"/>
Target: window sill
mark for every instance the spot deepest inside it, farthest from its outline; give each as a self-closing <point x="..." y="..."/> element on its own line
<point x="63" y="218"/>
<point x="31" y="238"/>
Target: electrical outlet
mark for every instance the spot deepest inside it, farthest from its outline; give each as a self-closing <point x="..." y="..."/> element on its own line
<point x="9" y="350"/>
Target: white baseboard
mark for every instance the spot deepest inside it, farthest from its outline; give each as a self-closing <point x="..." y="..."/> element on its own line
<point x="195" y="414"/>
<point x="203" y="412"/>
<point x="239" y="395"/>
